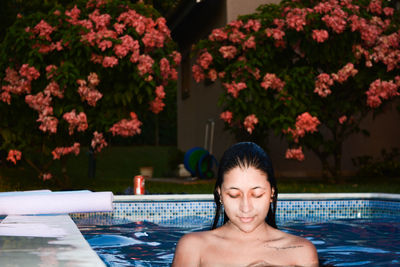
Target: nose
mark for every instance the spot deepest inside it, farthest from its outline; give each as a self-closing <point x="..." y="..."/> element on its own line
<point x="246" y="204"/>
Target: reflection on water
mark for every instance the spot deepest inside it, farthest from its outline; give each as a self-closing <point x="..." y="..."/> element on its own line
<point x="348" y="242"/>
<point x="30" y="251"/>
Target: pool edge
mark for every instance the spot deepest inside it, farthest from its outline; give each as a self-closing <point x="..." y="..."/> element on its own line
<point x="282" y="196"/>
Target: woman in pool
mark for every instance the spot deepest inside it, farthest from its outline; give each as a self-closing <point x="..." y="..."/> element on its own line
<point x="246" y="189"/>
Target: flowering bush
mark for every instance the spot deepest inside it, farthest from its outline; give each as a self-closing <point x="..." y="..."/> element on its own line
<point x="81" y="74"/>
<point x="309" y="70"/>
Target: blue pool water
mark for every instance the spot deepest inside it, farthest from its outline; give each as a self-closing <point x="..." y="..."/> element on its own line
<point x="341" y="242"/>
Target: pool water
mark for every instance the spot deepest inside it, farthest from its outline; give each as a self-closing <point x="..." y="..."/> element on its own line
<point x="344" y="242"/>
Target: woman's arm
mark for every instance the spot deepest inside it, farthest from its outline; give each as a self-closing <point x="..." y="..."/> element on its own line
<point x="188" y="250"/>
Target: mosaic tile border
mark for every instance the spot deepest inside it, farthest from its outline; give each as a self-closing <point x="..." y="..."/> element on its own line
<point x="192" y="211"/>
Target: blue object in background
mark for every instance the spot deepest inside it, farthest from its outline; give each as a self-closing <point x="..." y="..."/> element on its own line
<point x="199" y="162"/>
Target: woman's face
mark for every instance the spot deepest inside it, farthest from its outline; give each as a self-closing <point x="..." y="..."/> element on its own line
<point x="246" y="195"/>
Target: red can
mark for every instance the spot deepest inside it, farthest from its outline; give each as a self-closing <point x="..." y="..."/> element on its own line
<point x="138" y="185"/>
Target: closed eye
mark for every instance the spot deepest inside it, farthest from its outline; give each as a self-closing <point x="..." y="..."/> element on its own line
<point x="259" y="195"/>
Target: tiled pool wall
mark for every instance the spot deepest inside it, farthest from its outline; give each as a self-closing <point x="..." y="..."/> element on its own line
<point x="170" y="210"/>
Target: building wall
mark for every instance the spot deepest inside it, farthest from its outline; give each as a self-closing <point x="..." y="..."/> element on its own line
<point x="200" y="105"/>
<point x="235" y="8"/>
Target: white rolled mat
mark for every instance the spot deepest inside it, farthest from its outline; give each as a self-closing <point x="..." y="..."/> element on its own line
<point x="42" y="202"/>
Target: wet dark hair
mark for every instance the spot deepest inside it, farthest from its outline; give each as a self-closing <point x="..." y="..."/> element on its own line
<point x="245" y="155"/>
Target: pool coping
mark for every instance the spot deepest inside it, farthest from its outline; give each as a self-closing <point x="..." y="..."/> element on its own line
<point x="282" y="196"/>
<point x="30" y="240"/>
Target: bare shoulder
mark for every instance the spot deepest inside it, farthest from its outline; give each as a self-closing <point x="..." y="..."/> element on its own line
<point x="303" y="251"/>
<point x="195" y="238"/>
<point x="188" y="250"/>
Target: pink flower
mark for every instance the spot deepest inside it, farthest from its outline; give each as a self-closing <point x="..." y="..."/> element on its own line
<point x="176" y="57"/>
<point x="46" y="176"/>
<point x="121" y="51"/>
<point x="342" y="119"/>
<point x="296" y="18"/>
<point x="61" y="151"/>
<point x="53" y="89"/>
<point x="133" y="19"/>
<point x="218" y="35"/>
<point x="14" y="155"/>
<point x="109" y="62"/>
<point x="149" y="78"/>
<point x="320" y="35"/>
<point x="381" y="90"/>
<point x="173" y="74"/>
<point x="344" y="73"/>
<point x="39" y="101"/>
<point x="375" y="6"/>
<point x="234" y="88"/>
<point x="249" y="122"/>
<point x="126" y="127"/>
<point x="5" y="97"/>
<point x="252" y="24"/>
<point x="256" y="74"/>
<point x="104" y="44"/>
<point x="272" y="81"/>
<point x="324" y="7"/>
<point x="93" y="79"/>
<point x="101" y="20"/>
<point x="161" y="23"/>
<point x="226" y="116"/>
<point x="322" y="84"/>
<point x="145" y="64"/>
<point x="304" y="123"/>
<point x="165" y="68"/>
<point x="98" y="142"/>
<point x="276" y="33"/>
<point x="295" y="153"/>
<point x="29" y="72"/>
<point x="90" y="95"/>
<point x="236" y="24"/>
<point x="89" y="92"/>
<point x="236" y="36"/>
<point x="295" y="134"/>
<point x="96" y="59"/>
<point x="228" y="52"/>
<point x="388" y="11"/>
<point x="135" y="52"/>
<point x="157" y="105"/>
<point x="73" y="14"/>
<point x="153" y="38"/>
<point x="249" y="43"/>
<point x="336" y="20"/>
<point x="387" y="51"/>
<point x="119" y="28"/>
<point x="212" y="75"/>
<point x="160" y="92"/>
<point x="17" y="84"/>
<point x="48" y="123"/>
<point x="43" y="29"/>
<point x="307" y="123"/>
<point x="198" y="73"/>
<point x="76" y="121"/>
<point x="50" y="71"/>
<point x="205" y="60"/>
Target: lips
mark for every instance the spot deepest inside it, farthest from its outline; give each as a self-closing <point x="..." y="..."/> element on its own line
<point x="246" y="219"/>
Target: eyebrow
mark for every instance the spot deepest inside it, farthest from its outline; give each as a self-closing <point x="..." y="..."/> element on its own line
<point x="256" y="187"/>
